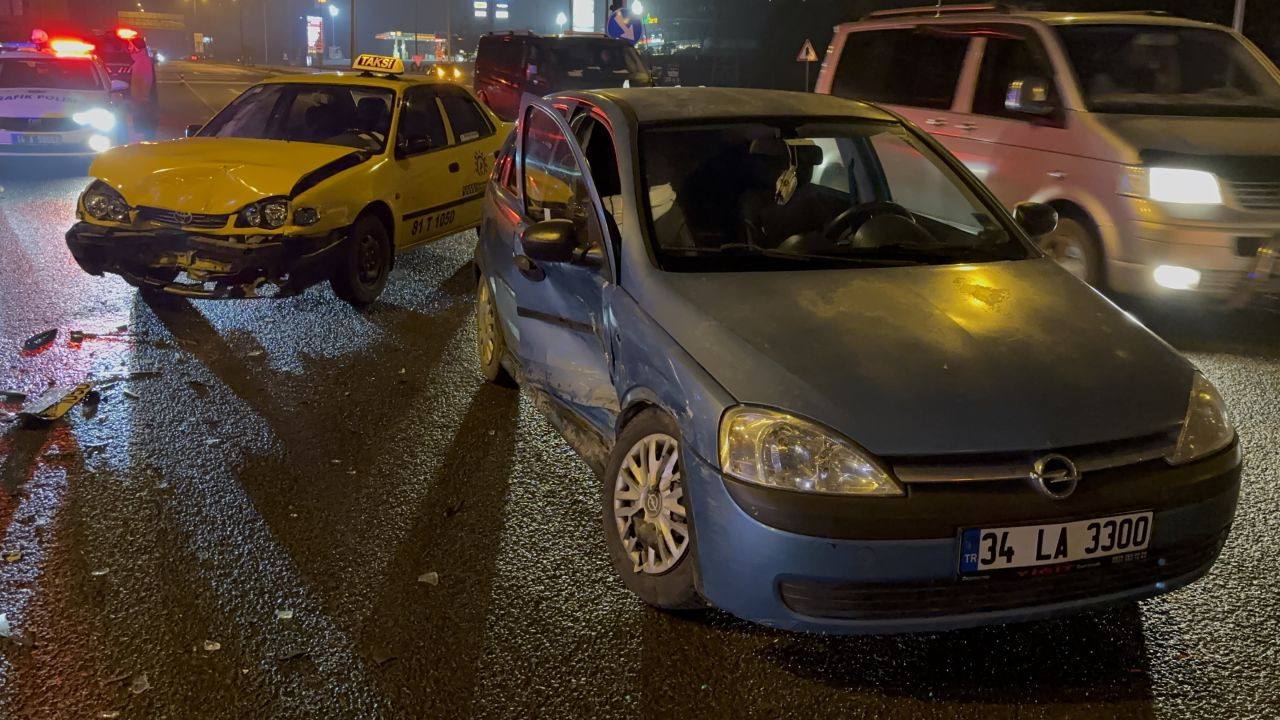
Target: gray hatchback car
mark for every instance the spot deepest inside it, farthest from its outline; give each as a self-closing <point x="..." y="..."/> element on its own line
<point x="827" y="381"/>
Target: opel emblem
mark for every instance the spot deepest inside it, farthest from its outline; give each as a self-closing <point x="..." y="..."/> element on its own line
<point x="1055" y="477"/>
<point x="183" y="218"/>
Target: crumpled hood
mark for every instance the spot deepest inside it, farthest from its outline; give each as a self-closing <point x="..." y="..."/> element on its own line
<point x="44" y="103"/>
<point x="210" y="175"/>
<point x="1196" y="135"/>
<point x="996" y="357"/>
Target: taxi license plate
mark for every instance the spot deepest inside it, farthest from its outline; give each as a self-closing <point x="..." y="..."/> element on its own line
<point x="21" y="139"/>
<point x="985" y="550"/>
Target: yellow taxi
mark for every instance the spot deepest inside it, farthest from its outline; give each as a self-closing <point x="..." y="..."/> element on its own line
<point x="300" y="179"/>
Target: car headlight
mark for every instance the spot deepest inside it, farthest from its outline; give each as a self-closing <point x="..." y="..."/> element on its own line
<point x="1172" y="185"/>
<point x="774" y="449"/>
<point x="1206" y="429"/>
<point x="271" y="214"/>
<point x="102" y="202"/>
<point x="99" y="119"/>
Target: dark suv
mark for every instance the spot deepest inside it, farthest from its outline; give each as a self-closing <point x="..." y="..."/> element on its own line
<point x="508" y="65"/>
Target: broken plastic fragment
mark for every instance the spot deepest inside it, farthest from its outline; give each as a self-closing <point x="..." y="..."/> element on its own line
<point x="213" y="442"/>
<point x="12" y="556"/>
<point x="212" y="646"/>
<point x="55" y="402"/>
<point x="284" y="614"/>
<point x="5" y="631"/>
<point x="40" y="341"/>
<point x="131" y="395"/>
<point x="109" y="714"/>
<point x="430" y="578"/>
<point x="12" y="396"/>
<point x="100" y="572"/>
<point x="140" y="684"/>
<point x="254" y="354"/>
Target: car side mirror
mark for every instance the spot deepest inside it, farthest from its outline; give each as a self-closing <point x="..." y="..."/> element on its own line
<point x="193" y="129"/>
<point x="550" y="241"/>
<point x="1038" y="219"/>
<point x="1029" y="96"/>
<point x="119" y="86"/>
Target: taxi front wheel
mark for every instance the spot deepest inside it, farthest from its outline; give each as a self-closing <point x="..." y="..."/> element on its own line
<point x="364" y="263"/>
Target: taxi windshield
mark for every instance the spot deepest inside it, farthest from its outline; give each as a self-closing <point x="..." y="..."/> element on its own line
<point x="354" y="116"/>
<point x="49" y="73"/>
<point x="767" y="194"/>
<point x="1168" y="70"/>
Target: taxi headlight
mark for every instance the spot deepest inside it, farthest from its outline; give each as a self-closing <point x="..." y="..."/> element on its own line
<point x="271" y="214"/>
<point x="102" y="202"/>
<point x="1206" y="429"/>
<point x="774" y="449"/>
<point x="99" y="119"/>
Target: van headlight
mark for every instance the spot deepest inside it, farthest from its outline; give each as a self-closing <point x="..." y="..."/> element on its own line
<point x="100" y="119"/>
<point x="270" y="214"/>
<point x="1172" y="185"/>
<point x="102" y="202"/>
<point x="1206" y="429"/>
<point x="774" y="449"/>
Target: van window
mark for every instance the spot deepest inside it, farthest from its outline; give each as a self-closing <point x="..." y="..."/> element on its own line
<point x="901" y="67"/>
<point x="502" y="55"/>
<point x="1005" y="61"/>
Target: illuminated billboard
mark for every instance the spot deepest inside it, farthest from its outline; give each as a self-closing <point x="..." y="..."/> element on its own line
<point x="584" y="15"/>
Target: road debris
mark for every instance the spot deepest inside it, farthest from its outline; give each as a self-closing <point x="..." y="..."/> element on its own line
<point x="12" y="396"/>
<point x="213" y="442"/>
<point x="284" y="614"/>
<point x="40" y="341"/>
<point x="118" y="677"/>
<point x="140" y="684"/>
<point x="201" y="390"/>
<point x="454" y="509"/>
<point x="212" y="646"/>
<point x="5" y="631"/>
<point x="99" y="572"/>
<point x="254" y="354"/>
<point x="381" y="658"/>
<point x="131" y="395"/>
<point x="430" y="578"/>
<point x="291" y="654"/>
<point x="1183" y="656"/>
<point x="12" y="556"/>
<point x="109" y="714"/>
<point x="55" y="402"/>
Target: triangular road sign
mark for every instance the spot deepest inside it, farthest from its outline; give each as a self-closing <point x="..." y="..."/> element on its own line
<point x="807" y="53"/>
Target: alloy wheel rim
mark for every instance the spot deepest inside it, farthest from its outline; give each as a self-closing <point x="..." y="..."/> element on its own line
<point x="649" y="510"/>
<point x="487" y="325"/>
<point x="370" y="259"/>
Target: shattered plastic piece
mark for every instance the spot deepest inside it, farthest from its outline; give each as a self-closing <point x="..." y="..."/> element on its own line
<point x="430" y="578"/>
<point x="100" y="572"/>
<point x="198" y="387"/>
<point x="213" y="442"/>
<point x="93" y="397"/>
<point x="132" y="395"/>
<point x="381" y="658"/>
<point x="55" y="402"/>
<point x="284" y="614"/>
<point x="40" y="341"/>
<point x="140" y="684"/>
<point x="12" y="396"/>
<point x="12" y="556"/>
<point x="119" y="677"/>
<point x="254" y="354"/>
<point x="335" y="461"/>
<point x="291" y="654"/>
<point x="212" y="646"/>
<point x="109" y="714"/>
<point x="5" y="631"/>
<point x="454" y="509"/>
<point x="1183" y="655"/>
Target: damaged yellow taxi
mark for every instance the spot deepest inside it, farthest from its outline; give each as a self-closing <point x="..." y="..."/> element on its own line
<point x="299" y="180"/>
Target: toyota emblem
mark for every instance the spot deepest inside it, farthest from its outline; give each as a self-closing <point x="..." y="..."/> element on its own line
<point x="183" y="218"/>
<point x="1055" y="477"/>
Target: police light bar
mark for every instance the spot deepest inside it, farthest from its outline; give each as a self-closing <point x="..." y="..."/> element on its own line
<point x="378" y="64"/>
<point x="69" y="47"/>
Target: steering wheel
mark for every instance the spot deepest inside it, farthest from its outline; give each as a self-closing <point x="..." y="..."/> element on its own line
<point x="847" y="223"/>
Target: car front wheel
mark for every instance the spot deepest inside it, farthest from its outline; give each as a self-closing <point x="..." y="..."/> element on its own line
<point x="647" y="520"/>
<point x="364" y="263"/>
<point x="491" y="345"/>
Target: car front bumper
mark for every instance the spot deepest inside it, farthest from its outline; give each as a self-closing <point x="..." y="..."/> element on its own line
<point x="220" y="266"/>
<point x="862" y="567"/>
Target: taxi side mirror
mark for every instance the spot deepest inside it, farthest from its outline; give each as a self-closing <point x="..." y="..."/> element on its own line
<point x="1038" y="219"/>
<point x="193" y="129"/>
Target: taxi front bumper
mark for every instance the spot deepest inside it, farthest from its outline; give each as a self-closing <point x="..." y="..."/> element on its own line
<point x="219" y="266"/>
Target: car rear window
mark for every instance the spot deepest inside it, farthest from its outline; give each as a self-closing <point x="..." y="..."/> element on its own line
<point x="53" y="73"/>
<point x="914" y="67"/>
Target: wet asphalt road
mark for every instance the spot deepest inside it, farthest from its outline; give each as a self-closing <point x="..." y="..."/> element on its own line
<point x="300" y="456"/>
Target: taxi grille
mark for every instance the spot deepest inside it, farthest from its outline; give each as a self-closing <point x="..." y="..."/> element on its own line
<point x="1003" y="592"/>
<point x="18" y="124"/>
<point x="177" y="219"/>
<point x="1257" y="195"/>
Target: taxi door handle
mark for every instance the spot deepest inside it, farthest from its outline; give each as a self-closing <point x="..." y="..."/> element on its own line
<point x="454" y="167"/>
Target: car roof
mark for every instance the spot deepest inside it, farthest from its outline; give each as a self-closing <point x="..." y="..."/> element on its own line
<point x="655" y="105"/>
<point x="913" y="16"/>
<point x="351" y="77"/>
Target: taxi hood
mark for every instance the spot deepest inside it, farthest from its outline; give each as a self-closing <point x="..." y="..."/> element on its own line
<point x="210" y="175"/>
<point x="932" y="360"/>
<point x="43" y="103"/>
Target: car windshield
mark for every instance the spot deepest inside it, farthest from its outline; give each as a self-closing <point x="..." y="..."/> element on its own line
<point x="352" y="116"/>
<point x="51" y="73"/>
<point x="789" y="195"/>
<point x="1168" y="70"/>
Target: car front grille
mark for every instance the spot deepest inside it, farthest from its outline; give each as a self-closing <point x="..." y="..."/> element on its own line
<point x="54" y="124"/>
<point x="186" y="220"/>
<point x="863" y="601"/>
<point x="1256" y="195"/>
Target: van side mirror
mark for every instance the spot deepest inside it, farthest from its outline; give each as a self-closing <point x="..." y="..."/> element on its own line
<point x="550" y="241"/>
<point x="1038" y="219"/>
<point x="193" y="129"/>
<point x="1029" y="96"/>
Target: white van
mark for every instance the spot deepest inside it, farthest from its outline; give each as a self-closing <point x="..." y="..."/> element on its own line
<point x="1157" y="139"/>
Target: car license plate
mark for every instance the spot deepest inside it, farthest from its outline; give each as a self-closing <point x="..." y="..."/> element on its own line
<point x="27" y="139"/>
<point x="990" y="549"/>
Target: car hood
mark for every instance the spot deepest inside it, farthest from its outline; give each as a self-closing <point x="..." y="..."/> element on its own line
<point x="41" y="103"/>
<point x="932" y="360"/>
<point x="1196" y="135"/>
<point x="210" y="175"/>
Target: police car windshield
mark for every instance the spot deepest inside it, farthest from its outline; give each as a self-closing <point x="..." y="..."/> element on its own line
<point x="352" y="116"/>
<point x="48" y="73"/>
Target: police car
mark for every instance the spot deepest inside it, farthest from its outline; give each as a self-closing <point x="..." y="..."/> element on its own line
<point x="56" y="100"/>
<point x="301" y="179"/>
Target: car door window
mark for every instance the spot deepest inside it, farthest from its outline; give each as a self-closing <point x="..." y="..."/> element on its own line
<point x="1004" y="61"/>
<point x="465" y="117"/>
<point x="555" y="186"/>
<point x="420" y="118"/>
<point x="916" y="67"/>
<point x="602" y="161"/>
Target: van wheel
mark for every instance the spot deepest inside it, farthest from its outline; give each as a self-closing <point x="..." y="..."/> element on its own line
<point x="648" y="523"/>
<point x="364" y="263"/>
<point x="1075" y="247"/>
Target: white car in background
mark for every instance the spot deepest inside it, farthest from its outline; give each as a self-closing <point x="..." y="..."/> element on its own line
<point x="56" y="100"/>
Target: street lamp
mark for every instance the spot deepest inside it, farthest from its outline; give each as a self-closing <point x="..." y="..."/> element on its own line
<point x="561" y="19"/>
<point x="333" y="27"/>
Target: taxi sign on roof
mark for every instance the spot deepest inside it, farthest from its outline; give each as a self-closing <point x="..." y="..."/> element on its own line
<point x="378" y="64"/>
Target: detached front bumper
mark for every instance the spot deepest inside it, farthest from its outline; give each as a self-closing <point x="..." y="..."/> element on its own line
<point x="217" y="266"/>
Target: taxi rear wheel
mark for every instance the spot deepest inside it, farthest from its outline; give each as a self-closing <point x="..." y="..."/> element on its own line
<point x="364" y="263"/>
